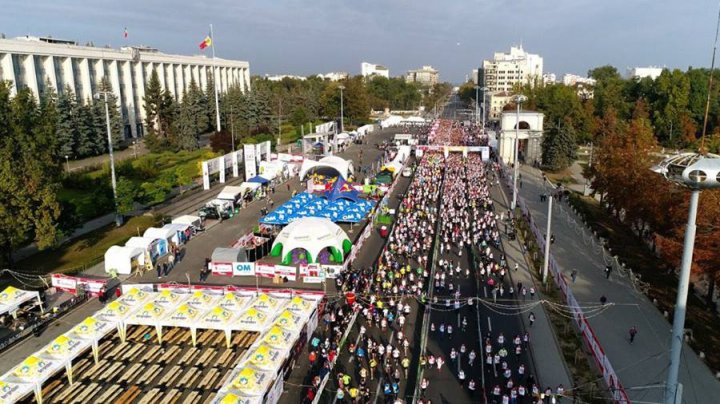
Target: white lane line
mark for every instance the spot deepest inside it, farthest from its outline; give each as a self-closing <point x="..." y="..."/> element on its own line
<point x="489" y="325"/>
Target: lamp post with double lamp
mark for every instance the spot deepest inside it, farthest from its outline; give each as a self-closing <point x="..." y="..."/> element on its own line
<point x="519" y="99"/>
<point x="104" y="96"/>
<point x="696" y="172"/>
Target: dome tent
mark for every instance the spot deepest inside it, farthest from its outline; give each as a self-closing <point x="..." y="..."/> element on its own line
<point x="312" y="234"/>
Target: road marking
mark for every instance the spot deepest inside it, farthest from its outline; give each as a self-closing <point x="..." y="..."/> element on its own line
<point x="489" y="325"/>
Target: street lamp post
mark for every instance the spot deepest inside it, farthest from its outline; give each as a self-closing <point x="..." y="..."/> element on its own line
<point x="548" y="236"/>
<point x="483" y="108"/>
<point x="519" y="99"/>
<point x="67" y="163"/>
<point x="104" y="95"/>
<point x="342" y="113"/>
<point x="135" y="148"/>
<point x="696" y="172"/>
<point x="477" y="104"/>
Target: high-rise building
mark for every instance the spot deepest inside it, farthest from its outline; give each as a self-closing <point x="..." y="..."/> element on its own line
<point x="42" y="63"/>
<point x="426" y="76"/>
<point x="507" y="69"/>
<point x="370" y="69"/>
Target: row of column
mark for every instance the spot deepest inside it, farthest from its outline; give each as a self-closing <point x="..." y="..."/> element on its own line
<point x="127" y="78"/>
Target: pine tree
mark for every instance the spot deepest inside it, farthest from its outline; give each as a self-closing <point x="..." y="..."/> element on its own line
<point x="66" y="130"/>
<point x="86" y="141"/>
<point x="117" y="123"/>
<point x="559" y="147"/>
<point x="28" y="168"/>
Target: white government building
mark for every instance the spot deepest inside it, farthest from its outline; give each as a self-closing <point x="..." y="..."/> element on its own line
<point x="507" y="69"/>
<point x="33" y="62"/>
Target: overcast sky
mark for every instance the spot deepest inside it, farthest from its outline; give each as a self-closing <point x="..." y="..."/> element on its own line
<point x="317" y="36"/>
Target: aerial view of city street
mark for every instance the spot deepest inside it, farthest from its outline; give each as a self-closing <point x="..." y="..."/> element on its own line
<point x="229" y="203"/>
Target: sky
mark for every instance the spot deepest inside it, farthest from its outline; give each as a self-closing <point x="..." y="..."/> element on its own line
<point x="304" y="37"/>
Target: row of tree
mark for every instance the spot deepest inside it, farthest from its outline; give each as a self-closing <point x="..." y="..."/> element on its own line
<point x="620" y="173"/>
<point x="30" y="170"/>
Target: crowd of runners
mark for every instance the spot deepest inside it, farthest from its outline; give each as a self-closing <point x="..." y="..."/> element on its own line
<point x="380" y="357"/>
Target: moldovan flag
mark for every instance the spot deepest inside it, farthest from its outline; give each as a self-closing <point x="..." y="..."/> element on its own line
<point x="206" y="42"/>
<point x="125" y="33"/>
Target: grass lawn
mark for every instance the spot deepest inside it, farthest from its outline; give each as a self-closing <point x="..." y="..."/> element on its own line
<point x="563" y="176"/>
<point x="87" y="250"/>
<point x="663" y="285"/>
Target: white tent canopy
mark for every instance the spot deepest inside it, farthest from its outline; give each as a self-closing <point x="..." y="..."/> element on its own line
<point x="191" y="220"/>
<point x="123" y="259"/>
<point x="312" y="234"/>
<point x="155" y="246"/>
<point x="12" y="298"/>
<point x="161" y="233"/>
<point x="343" y="167"/>
<point x="230" y="193"/>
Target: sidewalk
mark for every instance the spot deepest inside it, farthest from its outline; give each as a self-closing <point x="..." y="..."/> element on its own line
<point x="550" y="368"/>
<point x="641" y="367"/>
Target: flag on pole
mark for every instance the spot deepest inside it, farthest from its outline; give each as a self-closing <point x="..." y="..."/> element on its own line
<point x="125" y="33"/>
<point x="206" y="42"/>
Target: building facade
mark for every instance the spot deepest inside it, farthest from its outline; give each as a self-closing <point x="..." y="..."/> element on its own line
<point x="334" y="76"/>
<point x="370" y="69"/>
<point x="425" y="76"/>
<point x="507" y="69"/>
<point x="40" y="64"/>
<point x="498" y="101"/>
<point x="642" y="72"/>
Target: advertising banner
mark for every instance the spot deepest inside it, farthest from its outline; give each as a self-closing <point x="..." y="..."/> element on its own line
<point x="331" y="271"/>
<point x="70" y="284"/>
<point x="250" y="162"/>
<point x="206" y="175"/>
<point x="286" y="271"/>
<point x="236" y="155"/>
<point x="243" y="269"/>
<point x="264" y="270"/>
<point x="221" y="268"/>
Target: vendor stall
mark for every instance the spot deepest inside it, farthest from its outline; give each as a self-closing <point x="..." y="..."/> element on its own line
<point x="124" y="260"/>
<point x="155" y="247"/>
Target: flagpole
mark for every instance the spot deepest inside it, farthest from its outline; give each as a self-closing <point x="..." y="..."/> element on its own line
<point x="215" y="81"/>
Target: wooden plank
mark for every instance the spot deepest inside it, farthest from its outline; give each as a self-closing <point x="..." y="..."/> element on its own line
<point x="225" y="357"/>
<point x="129" y="395"/>
<point x="150" y="396"/>
<point x="109" y="392"/>
<point x="207" y="379"/>
<point x="192" y="398"/>
<point x="144" y="378"/>
<point x="69" y="392"/>
<point x="52" y="388"/>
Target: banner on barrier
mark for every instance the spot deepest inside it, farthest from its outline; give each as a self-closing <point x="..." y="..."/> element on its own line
<point x="243" y="269"/>
<point x="264" y="270"/>
<point x="70" y="284"/>
<point x="222" y="268"/>
<point x="286" y="271"/>
<point x="331" y="271"/>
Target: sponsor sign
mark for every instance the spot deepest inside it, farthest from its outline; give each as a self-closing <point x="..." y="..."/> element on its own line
<point x="243" y="269"/>
<point x="264" y="270"/>
<point x="222" y="268"/>
<point x="250" y="163"/>
<point x="70" y="284"/>
<point x="286" y="271"/>
<point x="331" y="271"/>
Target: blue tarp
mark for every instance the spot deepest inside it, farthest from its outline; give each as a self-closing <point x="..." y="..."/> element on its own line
<point x="259" y="180"/>
<point x="308" y="205"/>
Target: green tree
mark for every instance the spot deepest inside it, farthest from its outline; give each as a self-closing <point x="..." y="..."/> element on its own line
<point x="609" y="91"/>
<point x="66" y="129"/>
<point x="86" y="136"/>
<point x="117" y="124"/>
<point x="159" y="106"/>
<point x="127" y="194"/>
<point x="28" y="168"/>
<point x="559" y="147"/>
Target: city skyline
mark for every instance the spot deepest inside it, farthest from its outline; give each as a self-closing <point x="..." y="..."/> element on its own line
<point x="289" y="37"/>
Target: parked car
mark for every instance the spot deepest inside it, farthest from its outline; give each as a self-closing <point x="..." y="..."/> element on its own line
<point x="215" y="210"/>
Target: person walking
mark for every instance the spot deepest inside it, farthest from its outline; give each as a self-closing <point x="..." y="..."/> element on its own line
<point x="573" y="275"/>
<point x="531" y="317"/>
<point x="608" y="269"/>
<point x="633" y="333"/>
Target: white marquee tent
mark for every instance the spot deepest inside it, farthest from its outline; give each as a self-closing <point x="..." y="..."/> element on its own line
<point x="123" y="259"/>
<point x="333" y="163"/>
<point x="12" y="298"/>
<point x="312" y="234"/>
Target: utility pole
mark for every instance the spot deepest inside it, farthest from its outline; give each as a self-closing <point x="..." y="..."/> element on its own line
<point x="548" y="236"/>
<point x="232" y="127"/>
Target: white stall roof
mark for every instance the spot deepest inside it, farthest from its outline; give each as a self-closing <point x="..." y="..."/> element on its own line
<point x="158" y="233"/>
<point x="230" y="193"/>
